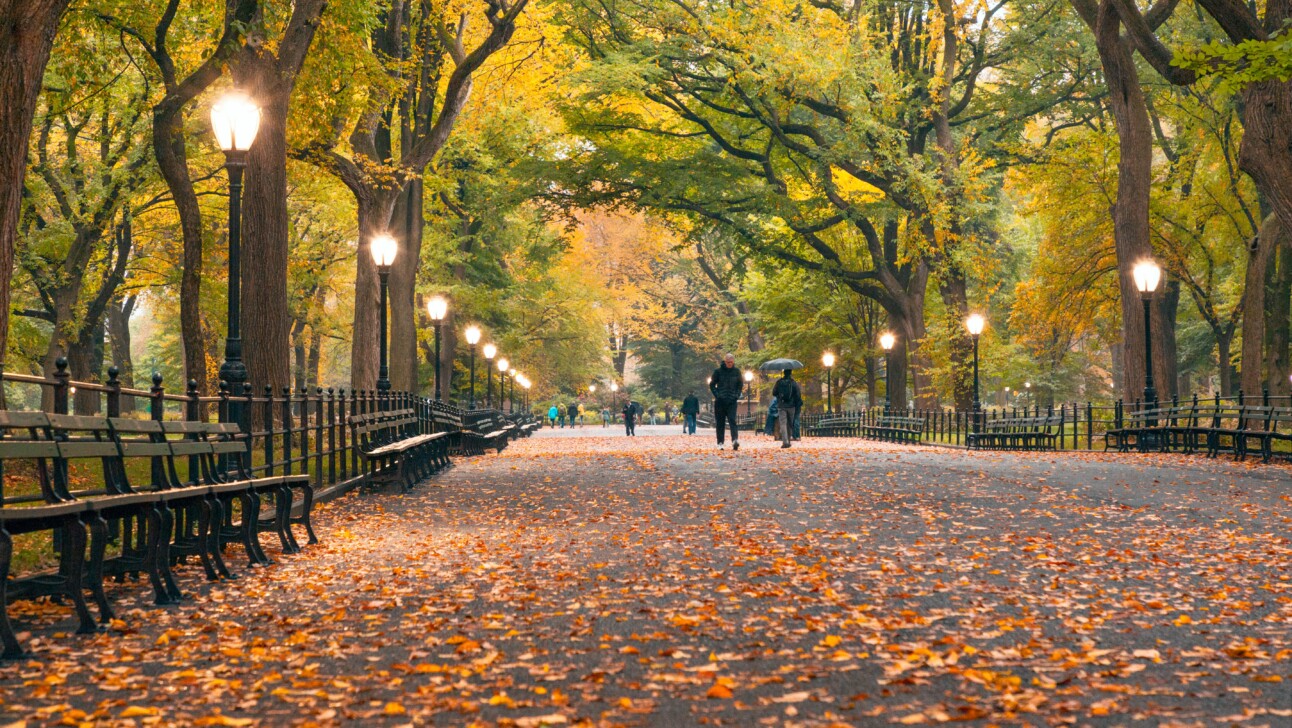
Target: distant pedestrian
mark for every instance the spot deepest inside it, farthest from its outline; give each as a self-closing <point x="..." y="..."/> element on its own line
<point x="690" y="410"/>
<point x="573" y="412"/>
<point x="726" y="385"/>
<point x="630" y="419"/>
<point x="582" y="414"/>
<point x="772" y="412"/>
<point x="605" y="416"/>
<point x="789" y="399"/>
<point x="552" y="413"/>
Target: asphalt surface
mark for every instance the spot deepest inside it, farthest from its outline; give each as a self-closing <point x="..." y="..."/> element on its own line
<point x="587" y="578"/>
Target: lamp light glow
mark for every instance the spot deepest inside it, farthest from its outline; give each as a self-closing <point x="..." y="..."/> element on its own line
<point x="503" y="364"/>
<point x="975" y="324"/>
<point x="827" y="359"/>
<point x="887" y="341"/>
<point x="235" y="119"/>
<point x="437" y="308"/>
<point x="490" y="351"/>
<point x="1147" y="276"/>
<point x="384" y="248"/>
<point x="472" y="334"/>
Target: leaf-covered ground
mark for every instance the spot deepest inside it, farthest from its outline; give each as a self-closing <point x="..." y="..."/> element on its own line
<point x="657" y="581"/>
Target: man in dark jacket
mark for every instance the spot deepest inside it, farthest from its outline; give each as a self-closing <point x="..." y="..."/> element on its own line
<point x="573" y="412"/>
<point x="726" y="385"/>
<point x="690" y="410"/>
<point x="630" y="419"/>
<point x="789" y="399"/>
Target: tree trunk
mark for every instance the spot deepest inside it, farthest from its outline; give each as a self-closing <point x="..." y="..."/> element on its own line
<point x="895" y="375"/>
<point x="407" y="221"/>
<point x="172" y="160"/>
<point x="374" y="218"/>
<point x="27" y="29"/>
<point x="265" y="321"/>
<point x="1131" y="208"/>
<point x="1277" y="315"/>
<point x="871" y="389"/>
<point x="1224" y="344"/>
<point x="314" y="358"/>
<point x="955" y="297"/>
<point x="269" y="76"/>
<point x="118" y="329"/>
<point x="1260" y="261"/>
<point x="85" y="364"/>
<point x="1166" y="308"/>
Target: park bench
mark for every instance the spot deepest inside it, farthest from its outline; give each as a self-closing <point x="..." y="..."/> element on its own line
<point x="462" y="440"/>
<point x="1018" y="433"/>
<point x="836" y="427"/>
<point x="1158" y="428"/>
<point x="393" y="449"/>
<point x="1266" y="425"/>
<point x="895" y="429"/>
<point x="168" y="518"/>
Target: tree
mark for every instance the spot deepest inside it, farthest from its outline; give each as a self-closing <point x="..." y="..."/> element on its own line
<point x="267" y="70"/>
<point x="27" y="30"/>
<point x="375" y="171"/>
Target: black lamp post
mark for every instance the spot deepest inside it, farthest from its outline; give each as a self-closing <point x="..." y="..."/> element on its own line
<point x="490" y="351"/>
<point x="437" y="308"/>
<point x="975" y="324"/>
<point x="503" y="365"/>
<point x="749" y="394"/>
<point x="887" y="341"/>
<point x="1147" y="276"/>
<point x="235" y="119"/>
<point x="827" y="359"/>
<point x="384" y="248"/>
<point x="473" y="337"/>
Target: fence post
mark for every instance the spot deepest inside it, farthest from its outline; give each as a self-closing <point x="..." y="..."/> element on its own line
<point x="61" y="385"/>
<point x="331" y="435"/>
<point x="114" y="392"/>
<point x="267" y="414"/>
<point x="157" y="411"/>
<point x="354" y="446"/>
<point x="193" y="413"/>
<point x="318" y="436"/>
<point x="287" y="430"/>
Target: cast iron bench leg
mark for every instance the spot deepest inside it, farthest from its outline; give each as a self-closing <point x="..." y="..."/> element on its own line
<point x="74" y="565"/>
<point x="12" y="649"/>
<point x="98" y="548"/>
<point x="204" y="539"/>
<point x="216" y="544"/>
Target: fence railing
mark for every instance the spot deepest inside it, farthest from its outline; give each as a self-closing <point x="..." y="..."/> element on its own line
<point x="286" y="432"/>
<point x="1082" y="424"/>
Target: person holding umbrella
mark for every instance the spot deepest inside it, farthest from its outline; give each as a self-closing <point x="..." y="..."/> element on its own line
<point x="789" y="399"/>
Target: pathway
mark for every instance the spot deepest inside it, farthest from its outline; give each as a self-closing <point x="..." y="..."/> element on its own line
<point x="658" y="581"/>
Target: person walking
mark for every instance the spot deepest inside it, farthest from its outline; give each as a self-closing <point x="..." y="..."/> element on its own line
<point x="690" y="410"/>
<point x="552" y="413"/>
<point x="630" y="419"/>
<point x="605" y="416"/>
<point x="726" y="385"/>
<point x="789" y="399"/>
<point x="772" y="413"/>
<point x="582" y="415"/>
<point x="573" y="411"/>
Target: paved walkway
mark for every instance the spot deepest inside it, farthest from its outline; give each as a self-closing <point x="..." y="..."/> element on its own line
<point x="658" y="581"/>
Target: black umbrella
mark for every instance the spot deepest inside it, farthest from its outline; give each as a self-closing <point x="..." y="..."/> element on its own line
<point x="780" y="365"/>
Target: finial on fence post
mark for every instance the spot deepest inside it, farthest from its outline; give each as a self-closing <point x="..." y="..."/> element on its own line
<point x="194" y="405"/>
<point x="61" y="385"/>
<point x="156" y="405"/>
<point x="114" y="391"/>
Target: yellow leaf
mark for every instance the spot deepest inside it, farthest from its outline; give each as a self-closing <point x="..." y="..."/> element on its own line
<point x="393" y="708"/>
<point x="135" y="711"/>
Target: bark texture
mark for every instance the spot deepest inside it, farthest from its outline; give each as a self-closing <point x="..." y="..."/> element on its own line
<point x="27" y="29"/>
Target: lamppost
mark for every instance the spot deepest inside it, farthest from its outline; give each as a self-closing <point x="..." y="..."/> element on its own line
<point x="749" y="395"/>
<point x="437" y="308"/>
<point x="384" y="248"/>
<point x="828" y="360"/>
<point x="975" y="324"/>
<point x="1147" y="275"/>
<point x="511" y="397"/>
<point x="526" y="383"/>
<point x="887" y="341"/>
<point x="503" y="365"/>
<point x="473" y="337"/>
<point x="490" y="351"/>
<point x="235" y="119"/>
<point x="614" y="396"/>
<point x="1027" y="387"/>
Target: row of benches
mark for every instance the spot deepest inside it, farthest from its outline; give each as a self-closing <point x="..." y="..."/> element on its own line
<point x="908" y="430"/>
<point x="163" y="490"/>
<point x="1214" y="426"/>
